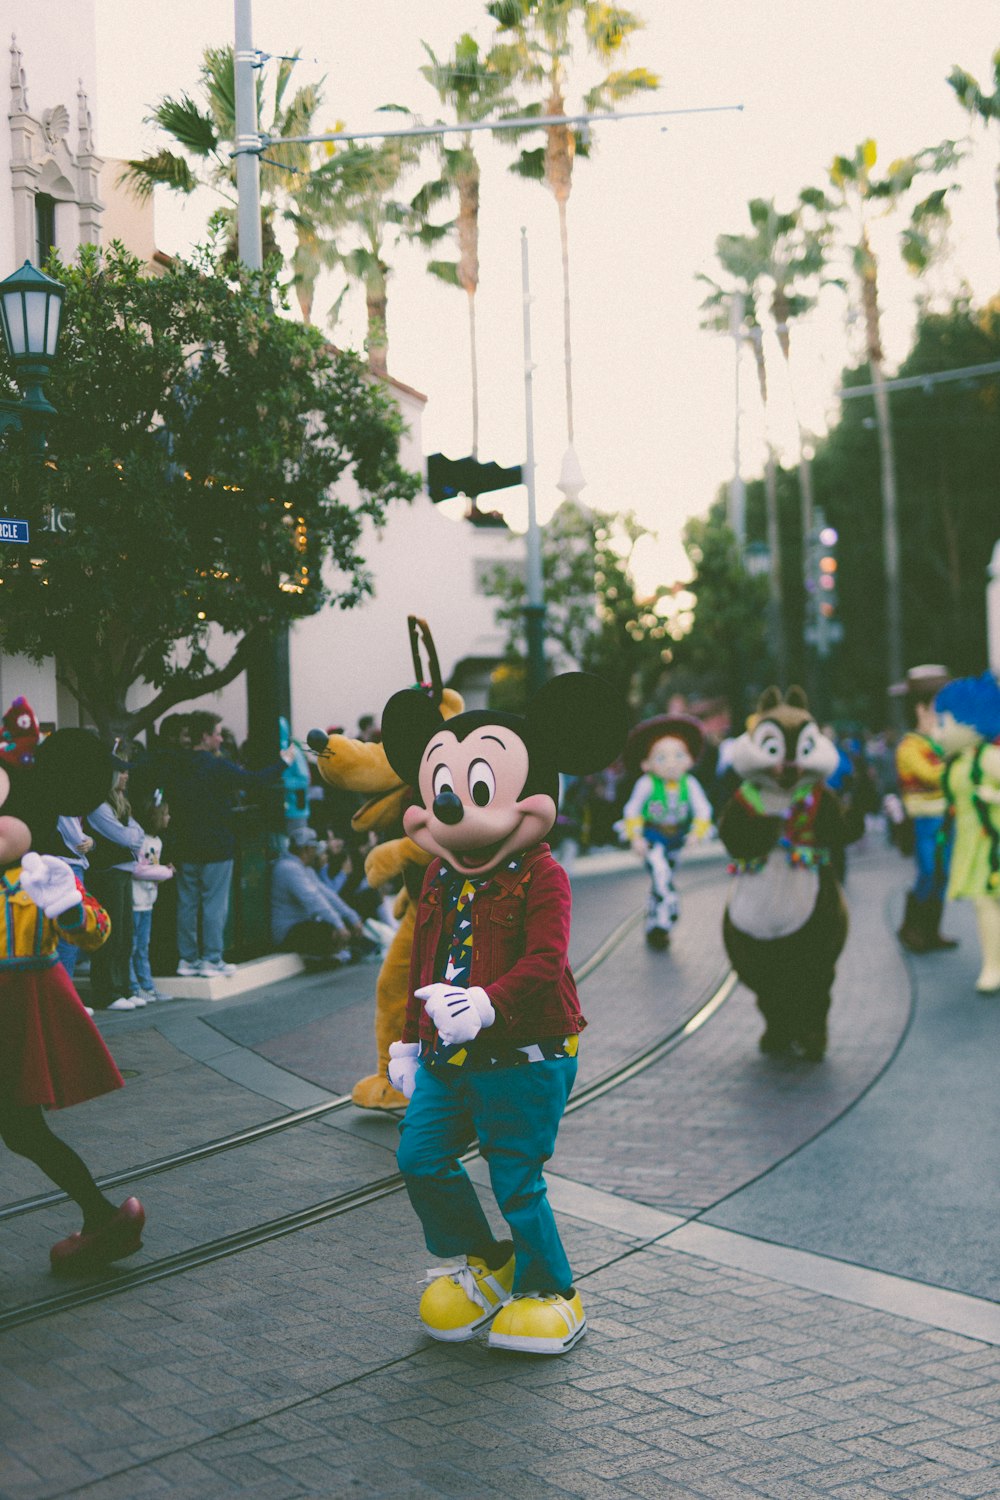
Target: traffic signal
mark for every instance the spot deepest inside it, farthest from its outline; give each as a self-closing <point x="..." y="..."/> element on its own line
<point x="826" y="566"/>
<point x="823" y="627"/>
<point x="447" y="477"/>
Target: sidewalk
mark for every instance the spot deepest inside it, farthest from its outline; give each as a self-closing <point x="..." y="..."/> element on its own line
<point x="813" y="1328"/>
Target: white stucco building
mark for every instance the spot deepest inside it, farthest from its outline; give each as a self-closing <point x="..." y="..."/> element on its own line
<point x="56" y="190"/>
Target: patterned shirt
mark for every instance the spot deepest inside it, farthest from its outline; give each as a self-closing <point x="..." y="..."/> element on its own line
<point x="485" y="1051"/>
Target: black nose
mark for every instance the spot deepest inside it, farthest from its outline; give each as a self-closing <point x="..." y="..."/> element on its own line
<point x="447" y="807"/>
<point x="316" y="740"/>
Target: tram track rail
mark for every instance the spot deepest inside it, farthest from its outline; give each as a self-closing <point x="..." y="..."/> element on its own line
<point x="118" y="1281"/>
<point x="252" y="1134"/>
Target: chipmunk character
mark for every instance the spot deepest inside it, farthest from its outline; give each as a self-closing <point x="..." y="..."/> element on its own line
<point x="362" y="766"/>
<point x="786" y="918"/>
<point x="52" y="1053"/>
<point x="666" y="806"/>
<point x="489" y="1045"/>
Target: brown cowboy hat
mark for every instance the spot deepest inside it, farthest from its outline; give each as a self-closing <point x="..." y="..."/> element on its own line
<point x="645" y="735"/>
<point x="922" y="682"/>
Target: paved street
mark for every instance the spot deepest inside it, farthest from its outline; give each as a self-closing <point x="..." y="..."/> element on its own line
<point x="787" y="1269"/>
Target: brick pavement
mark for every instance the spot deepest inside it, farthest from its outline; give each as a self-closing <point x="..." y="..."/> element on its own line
<point x="297" y="1368"/>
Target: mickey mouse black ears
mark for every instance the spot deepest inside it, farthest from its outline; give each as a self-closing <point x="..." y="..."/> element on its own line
<point x="578" y="722"/>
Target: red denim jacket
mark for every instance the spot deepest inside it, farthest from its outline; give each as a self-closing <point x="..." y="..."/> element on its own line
<point x="520" y="943"/>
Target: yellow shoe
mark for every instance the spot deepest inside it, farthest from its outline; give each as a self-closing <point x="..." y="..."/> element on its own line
<point x="460" y="1299"/>
<point x="545" y="1324"/>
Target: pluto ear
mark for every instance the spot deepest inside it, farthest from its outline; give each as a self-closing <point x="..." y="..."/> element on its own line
<point x="577" y="722"/>
<point x="74" y="772"/>
<point x="408" y="721"/>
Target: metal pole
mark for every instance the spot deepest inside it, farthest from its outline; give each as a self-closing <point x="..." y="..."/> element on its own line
<point x="268" y="673"/>
<point x="535" y="607"/>
<point x="737" y="489"/>
<point x="993" y="611"/>
<point x="247" y="142"/>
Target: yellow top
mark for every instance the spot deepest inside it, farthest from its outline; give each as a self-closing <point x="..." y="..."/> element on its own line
<point x="28" y="938"/>
<point x="920" y="767"/>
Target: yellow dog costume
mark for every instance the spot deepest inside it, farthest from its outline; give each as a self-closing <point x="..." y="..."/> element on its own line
<point x="361" y="766"/>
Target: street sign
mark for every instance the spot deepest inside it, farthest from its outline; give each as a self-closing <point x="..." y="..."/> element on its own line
<point x="13" y="531"/>
<point x="447" y="477"/>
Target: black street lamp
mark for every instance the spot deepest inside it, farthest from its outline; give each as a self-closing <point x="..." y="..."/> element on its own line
<point x="30" y="316"/>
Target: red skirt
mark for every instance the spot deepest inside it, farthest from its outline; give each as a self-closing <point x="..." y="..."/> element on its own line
<point x="51" y="1052"/>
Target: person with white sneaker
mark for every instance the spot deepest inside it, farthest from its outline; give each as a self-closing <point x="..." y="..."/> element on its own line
<point x="201" y="788"/>
<point x="117" y="841"/>
<point x="489" y="1046"/>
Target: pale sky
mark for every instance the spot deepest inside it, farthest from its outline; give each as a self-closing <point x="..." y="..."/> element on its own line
<point x="654" y="408"/>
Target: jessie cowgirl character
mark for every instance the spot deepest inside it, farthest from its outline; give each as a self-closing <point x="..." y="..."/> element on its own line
<point x="489" y="1045"/>
<point x="968" y="731"/>
<point x="52" y="1053"/>
<point x="666" y="805"/>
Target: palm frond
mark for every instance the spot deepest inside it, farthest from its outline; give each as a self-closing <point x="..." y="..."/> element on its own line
<point x="445" y="270"/>
<point x="188" y="125"/>
<point x="218" y="74"/>
<point x="530" y="164"/>
<point x="608" y="27"/>
<point x="163" y="169"/>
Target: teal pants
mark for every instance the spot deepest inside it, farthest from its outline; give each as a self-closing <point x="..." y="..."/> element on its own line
<point x="515" y="1114"/>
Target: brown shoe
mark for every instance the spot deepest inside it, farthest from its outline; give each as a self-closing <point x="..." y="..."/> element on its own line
<point x="81" y="1253"/>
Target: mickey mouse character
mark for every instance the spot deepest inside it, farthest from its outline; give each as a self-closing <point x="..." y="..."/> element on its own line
<point x="53" y="1054"/>
<point x="489" y="1046"/>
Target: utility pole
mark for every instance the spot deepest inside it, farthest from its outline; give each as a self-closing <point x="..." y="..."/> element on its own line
<point x="268" y="671"/>
<point x="737" y="489"/>
<point x="535" y="607"/>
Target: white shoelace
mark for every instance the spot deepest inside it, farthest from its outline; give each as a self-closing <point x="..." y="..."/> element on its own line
<point x="464" y="1275"/>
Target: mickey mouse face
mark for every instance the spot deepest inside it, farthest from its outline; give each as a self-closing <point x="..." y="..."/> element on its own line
<point x="474" y="815"/>
<point x="489" y="781"/>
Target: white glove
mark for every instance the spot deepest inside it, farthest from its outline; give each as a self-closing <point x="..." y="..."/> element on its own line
<point x="403" y="1065"/>
<point x="50" y="883"/>
<point x="459" y="1015"/>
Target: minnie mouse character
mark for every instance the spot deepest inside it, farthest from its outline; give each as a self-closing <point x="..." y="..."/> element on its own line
<point x="489" y="1045"/>
<point x="53" y="1054"/>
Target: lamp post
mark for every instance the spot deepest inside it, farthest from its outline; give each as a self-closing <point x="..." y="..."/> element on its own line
<point x="30" y="317"/>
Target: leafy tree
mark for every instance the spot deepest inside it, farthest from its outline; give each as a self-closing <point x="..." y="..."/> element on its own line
<point x="948" y="437"/>
<point x="539" y="40"/>
<point x="198" y="443"/>
<point x="592" y="612"/>
<point x="204" y="130"/>
<point x="980" y="105"/>
<point x="473" y="87"/>
<point x="719" y="640"/>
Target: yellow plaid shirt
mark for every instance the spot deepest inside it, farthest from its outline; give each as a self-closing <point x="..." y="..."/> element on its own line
<point x="28" y="937"/>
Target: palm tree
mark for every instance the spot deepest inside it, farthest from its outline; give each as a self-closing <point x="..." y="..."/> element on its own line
<point x="982" y="106"/>
<point x="473" y="87"/>
<point x="785" y="253"/>
<point x="858" y="195"/>
<point x="539" y="51"/>
<point x="203" y="130"/>
<point x="358" y="185"/>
